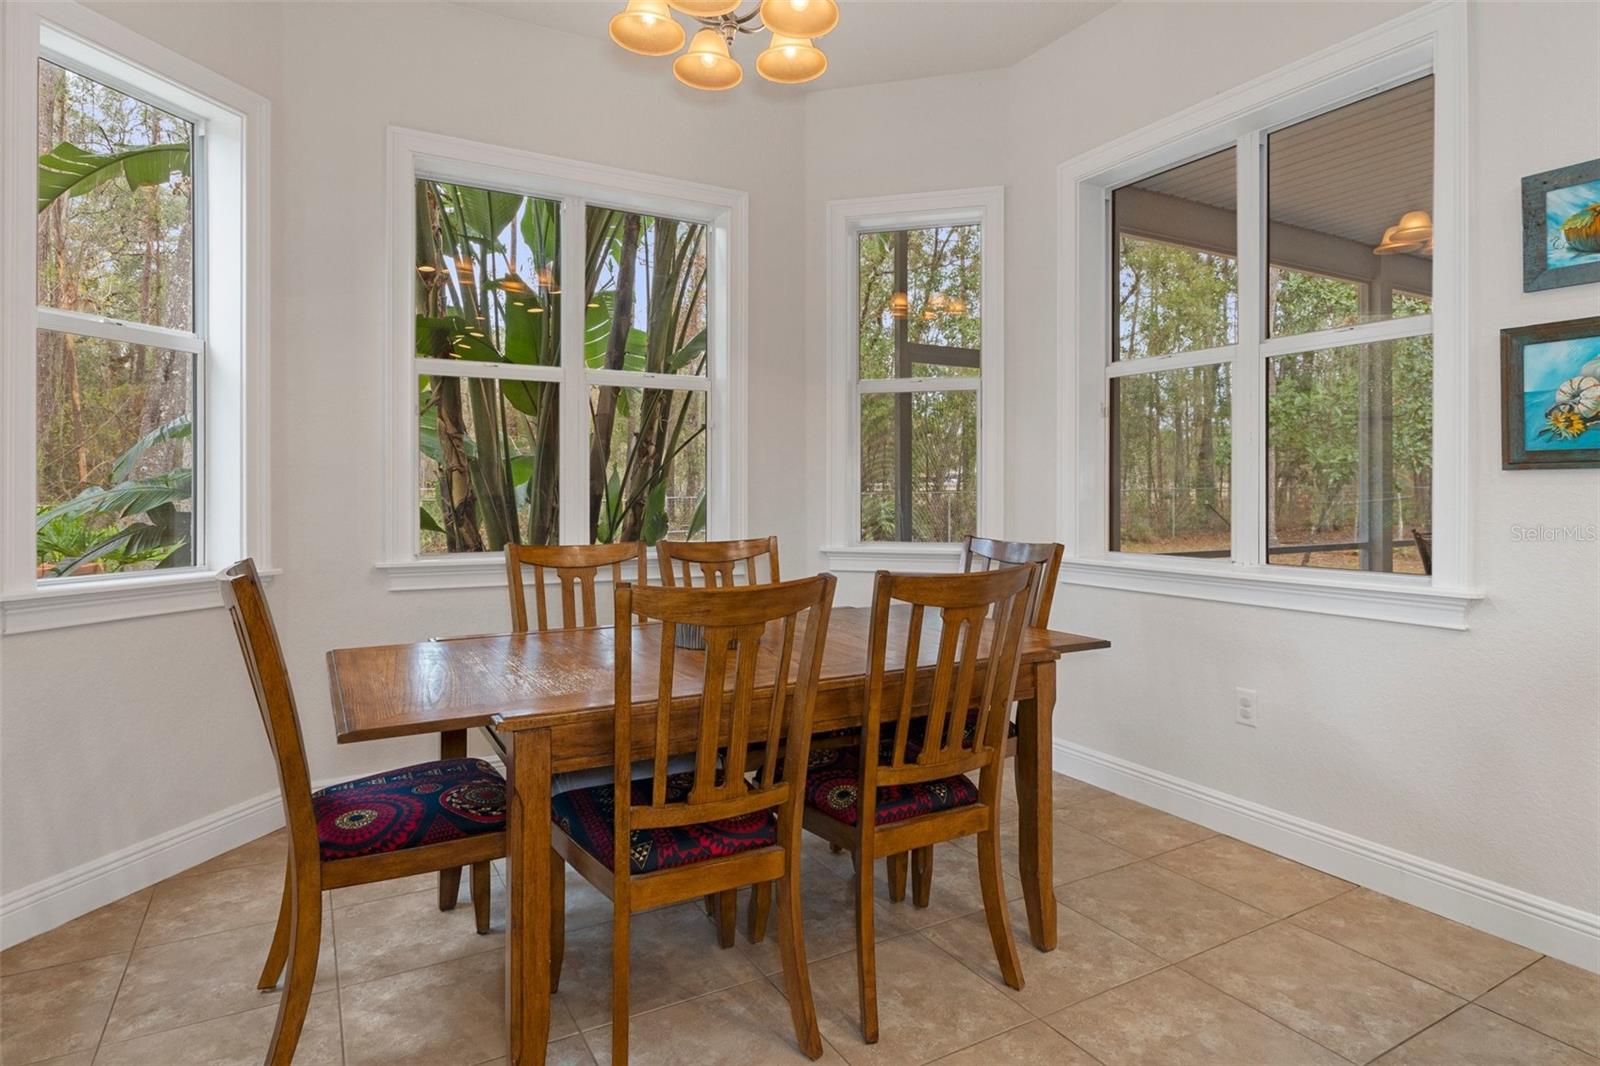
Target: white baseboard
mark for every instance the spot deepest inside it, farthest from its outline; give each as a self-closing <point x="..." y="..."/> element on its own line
<point x="1544" y="925"/>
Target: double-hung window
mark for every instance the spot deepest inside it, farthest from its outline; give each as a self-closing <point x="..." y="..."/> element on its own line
<point x="566" y="334"/>
<point x="134" y="364"/>
<point x="1269" y="340"/>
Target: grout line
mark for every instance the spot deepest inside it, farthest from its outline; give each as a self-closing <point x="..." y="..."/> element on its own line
<point x="1478" y="1002"/>
<point x="127" y="962"/>
<point x="338" y="995"/>
<point x="1452" y="1013"/>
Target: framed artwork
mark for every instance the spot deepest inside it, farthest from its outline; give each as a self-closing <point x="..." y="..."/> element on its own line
<point x="1561" y="227"/>
<point x="1550" y="395"/>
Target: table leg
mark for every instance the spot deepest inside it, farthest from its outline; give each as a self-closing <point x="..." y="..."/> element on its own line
<point x="1034" y="795"/>
<point x="528" y="911"/>
<point x="452" y="745"/>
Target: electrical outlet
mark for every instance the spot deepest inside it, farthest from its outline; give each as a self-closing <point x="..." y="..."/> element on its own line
<point x="1244" y="708"/>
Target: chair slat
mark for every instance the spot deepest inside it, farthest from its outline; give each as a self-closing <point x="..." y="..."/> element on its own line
<point x="576" y="568"/>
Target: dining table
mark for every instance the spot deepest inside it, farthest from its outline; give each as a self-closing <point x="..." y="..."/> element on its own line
<point x="546" y="701"/>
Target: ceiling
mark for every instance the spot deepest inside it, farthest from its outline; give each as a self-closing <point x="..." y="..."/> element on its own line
<point x="876" y="40"/>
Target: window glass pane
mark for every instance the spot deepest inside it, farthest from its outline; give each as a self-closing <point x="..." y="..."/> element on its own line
<point x="488" y="463"/>
<point x="647" y="464"/>
<point x="1350" y="456"/>
<point x="1177" y="285"/>
<point x="646" y="293"/>
<point x="921" y="302"/>
<point x="933" y="494"/>
<point x="1172" y="446"/>
<point x="115" y="436"/>
<point x="488" y="275"/>
<point x="116" y="219"/>
<point x="1350" y="196"/>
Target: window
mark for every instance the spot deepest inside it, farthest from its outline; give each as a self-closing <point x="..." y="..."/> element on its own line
<point x="570" y="332"/>
<point x="1265" y="335"/>
<point x="146" y="372"/>
<point x="914" y="309"/>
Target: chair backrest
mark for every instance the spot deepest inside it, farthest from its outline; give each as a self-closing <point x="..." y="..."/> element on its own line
<point x="1424" y="539"/>
<point x="269" y="676"/>
<point x="717" y="561"/>
<point x="979" y="554"/>
<point x="964" y="606"/>
<point x="750" y="636"/>
<point x="575" y="566"/>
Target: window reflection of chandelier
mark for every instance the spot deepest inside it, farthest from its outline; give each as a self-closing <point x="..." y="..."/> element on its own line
<point x="648" y="28"/>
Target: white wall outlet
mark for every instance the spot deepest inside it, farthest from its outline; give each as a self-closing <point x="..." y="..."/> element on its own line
<point x="1244" y="708"/>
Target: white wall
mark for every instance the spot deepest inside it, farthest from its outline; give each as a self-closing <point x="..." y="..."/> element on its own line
<point x="1475" y="750"/>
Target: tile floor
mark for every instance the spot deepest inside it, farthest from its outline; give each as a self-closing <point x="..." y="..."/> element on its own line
<point x="1177" y="946"/>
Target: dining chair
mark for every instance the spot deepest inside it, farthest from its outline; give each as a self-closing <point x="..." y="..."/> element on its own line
<point x="419" y="819"/>
<point x="920" y="794"/>
<point x="716" y="560"/>
<point x="708" y="831"/>
<point x="575" y="567"/>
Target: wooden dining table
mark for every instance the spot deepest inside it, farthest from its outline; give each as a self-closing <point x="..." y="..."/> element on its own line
<point x="547" y="700"/>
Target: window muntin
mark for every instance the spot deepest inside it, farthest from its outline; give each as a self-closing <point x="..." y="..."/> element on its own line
<point x="118" y="360"/>
<point x="1172" y="436"/>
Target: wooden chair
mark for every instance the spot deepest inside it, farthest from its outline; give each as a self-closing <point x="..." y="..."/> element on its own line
<point x="371" y="829"/>
<point x="576" y="567"/>
<point x="920" y="794"/>
<point x="707" y="832"/>
<point x="1424" y="539"/>
<point x="717" y="561"/>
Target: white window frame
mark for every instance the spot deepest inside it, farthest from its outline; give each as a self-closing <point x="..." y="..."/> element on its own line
<point x="846" y="220"/>
<point x="1430" y="40"/>
<point x="416" y="154"/>
<point x="230" y="341"/>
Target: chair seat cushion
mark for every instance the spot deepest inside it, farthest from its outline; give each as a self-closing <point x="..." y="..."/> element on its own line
<point x="833" y="787"/>
<point x="588" y="816"/>
<point x="429" y="803"/>
<point x="919" y="728"/>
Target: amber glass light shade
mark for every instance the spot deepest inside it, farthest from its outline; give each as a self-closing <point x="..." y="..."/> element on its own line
<point x="799" y="18"/>
<point x="647" y="28"/>
<point x="704" y="9"/>
<point x="707" y="64"/>
<point x="791" y="60"/>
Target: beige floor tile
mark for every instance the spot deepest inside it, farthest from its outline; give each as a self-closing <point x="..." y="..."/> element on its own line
<point x="194" y="980"/>
<point x="737" y="1026"/>
<point x="928" y="1005"/>
<point x="1069" y="791"/>
<point x="1133" y="827"/>
<point x="274" y="848"/>
<point x="1556" y="998"/>
<point x="1340" y="999"/>
<point x="236" y="1040"/>
<point x="955" y="890"/>
<point x="1074" y="854"/>
<point x="355" y="895"/>
<point x="1453" y="956"/>
<point x="1161" y="911"/>
<point x="191" y="905"/>
<point x="109" y="930"/>
<point x="1170" y="1018"/>
<point x="398" y="933"/>
<point x="586" y="905"/>
<point x="673" y="957"/>
<point x="1034" y="1044"/>
<point x="1266" y="881"/>
<point x="1473" y="1036"/>
<point x="830" y="919"/>
<point x="77" y="1058"/>
<point x="571" y="1051"/>
<point x="1088" y="958"/>
<point x="57" y="1011"/>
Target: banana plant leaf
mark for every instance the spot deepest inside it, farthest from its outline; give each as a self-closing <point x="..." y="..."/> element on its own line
<point x="428" y="523"/>
<point x="178" y="429"/>
<point x="126" y="499"/>
<point x="67" y="170"/>
<point x="485" y="214"/>
<point x="167" y="528"/>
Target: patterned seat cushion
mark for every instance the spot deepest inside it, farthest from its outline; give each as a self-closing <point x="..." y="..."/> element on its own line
<point x="428" y="803"/>
<point x="588" y="816"/>
<point x="833" y="784"/>
<point x="919" y="728"/>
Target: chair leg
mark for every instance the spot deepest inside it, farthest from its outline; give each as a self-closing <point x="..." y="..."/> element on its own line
<point x="619" y="987"/>
<point x="449" y="888"/>
<point x="480" y="895"/>
<point x="866" y="953"/>
<point x="835" y="848"/>
<point x="727" y="916"/>
<point x="558" y="917"/>
<point x="921" y="875"/>
<point x="991" y="881"/>
<point x="278" y="953"/>
<point x="897" y="878"/>
<point x="711" y="903"/>
<point x="760" y="906"/>
<point x="305" y="941"/>
<point x="796" y="975"/>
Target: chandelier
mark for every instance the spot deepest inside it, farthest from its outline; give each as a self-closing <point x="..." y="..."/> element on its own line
<point x="648" y="28"/>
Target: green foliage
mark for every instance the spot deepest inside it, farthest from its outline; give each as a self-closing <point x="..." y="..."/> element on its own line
<point x="67" y="170"/>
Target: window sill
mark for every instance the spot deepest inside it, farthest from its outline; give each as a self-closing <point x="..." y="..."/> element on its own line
<point x="867" y="558"/>
<point x="1408" y="601"/>
<point x="111" y="599"/>
<point x="476" y="571"/>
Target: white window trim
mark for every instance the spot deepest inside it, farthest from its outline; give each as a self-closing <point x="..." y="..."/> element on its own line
<point x="412" y="153"/>
<point x="1431" y="39"/>
<point x="233" y="410"/>
<point x="845" y="221"/>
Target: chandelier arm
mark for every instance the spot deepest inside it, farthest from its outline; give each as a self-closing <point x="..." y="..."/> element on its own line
<point x="731" y="24"/>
